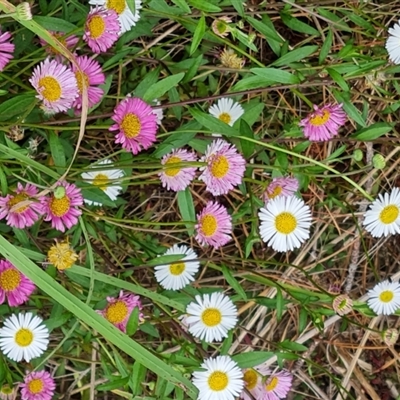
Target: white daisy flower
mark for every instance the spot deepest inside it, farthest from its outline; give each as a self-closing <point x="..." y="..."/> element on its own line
<point x="104" y="180"/>
<point x="211" y="316"/>
<point x="226" y="110"/>
<point x="177" y="275"/>
<point x="383" y="216"/>
<point x="221" y="379"/>
<point x="384" y="298"/>
<point x="23" y="337"/>
<point x="393" y="43"/>
<point x="126" y="18"/>
<point x="285" y="223"/>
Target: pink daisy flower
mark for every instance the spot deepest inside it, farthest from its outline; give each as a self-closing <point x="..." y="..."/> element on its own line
<point x="225" y="167"/>
<point x="253" y="381"/>
<point x="277" y="386"/>
<point x="92" y="75"/>
<point x="14" y="285"/>
<point x="177" y="178"/>
<point x="136" y="125"/>
<point x="61" y="207"/>
<point x="56" y="86"/>
<point x="119" y="309"/>
<point x="68" y="41"/>
<point x="24" y="216"/>
<point x="101" y="29"/>
<point x="38" y="386"/>
<point x="6" y="49"/>
<point x="214" y="225"/>
<point x="284" y="187"/>
<point x="324" y="123"/>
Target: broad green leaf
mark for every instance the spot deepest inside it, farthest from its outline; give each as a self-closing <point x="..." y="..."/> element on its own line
<point x="137" y="378"/>
<point x="97" y="195"/>
<point x="57" y="151"/>
<point x="85" y="313"/>
<point x="132" y="6"/>
<point x="198" y="34"/>
<point x="3" y="181"/>
<point x="251" y="82"/>
<point x="338" y="79"/>
<point x="276" y="75"/>
<point x="55" y="24"/>
<point x="373" y="131"/>
<point x="16" y="107"/>
<point x="133" y="322"/>
<point x="289" y="345"/>
<point x="349" y="107"/>
<point x="243" y="38"/>
<point x="295" y="55"/>
<point x="252" y="358"/>
<point x="186" y="208"/>
<point x="192" y="71"/>
<point x="161" y="87"/>
<point x="183" y="5"/>
<point x="264" y="29"/>
<point x="213" y="124"/>
<point x="326" y="47"/>
<point x="168" y="259"/>
<point x="149" y="80"/>
<point x="246" y="145"/>
<point x="238" y="6"/>
<point x="297" y="25"/>
<point x="204" y="5"/>
<point x="115" y="383"/>
<point x="234" y="284"/>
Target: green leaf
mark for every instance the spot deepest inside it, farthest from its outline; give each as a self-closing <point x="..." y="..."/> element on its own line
<point x="297" y="25"/>
<point x="276" y="75"/>
<point x="373" y="131"/>
<point x="213" y="124"/>
<point x="279" y="304"/>
<point x="251" y="82"/>
<point x="183" y="5"/>
<point x="238" y="6"/>
<point x="264" y="29"/>
<point x="338" y="79"/>
<point x="132" y="6"/>
<point x="137" y="378"/>
<point x="293" y="346"/>
<point x="93" y="193"/>
<point x="198" y="34"/>
<point x="295" y="55"/>
<point x="234" y="284"/>
<point x="349" y="107"/>
<point x="243" y="38"/>
<point x="161" y="87"/>
<point x="55" y="24"/>
<point x="246" y="145"/>
<point x="85" y="313"/>
<point x="186" y="208"/>
<point x="115" y="383"/>
<point x="168" y="259"/>
<point x="133" y="322"/>
<point x="57" y="151"/>
<point x="191" y="72"/>
<point x="204" y="6"/>
<point x="252" y="359"/>
<point x="326" y="47"/>
<point x="14" y="108"/>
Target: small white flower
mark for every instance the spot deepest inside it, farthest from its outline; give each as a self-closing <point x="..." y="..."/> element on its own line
<point x="177" y="275"/>
<point x="126" y="18"/>
<point x="393" y="43"/>
<point x="226" y="110"/>
<point x="23" y="337"/>
<point x="384" y="298"/>
<point x="221" y="380"/>
<point x="383" y="216"/>
<point x="285" y="223"/>
<point x="211" y="317"/>
<point x="104" y="180"/>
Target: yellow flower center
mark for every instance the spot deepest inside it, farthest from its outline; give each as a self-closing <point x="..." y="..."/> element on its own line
<point x="60" y="207"/>
<point x="24" y="337"/>
<point x="386" y="296"/>
<point x="101" y="180"/>
<point x="219" y="166"/>
<point x="50" y="88"/>
<point x="36" y="386"/>
<point x="211" y="317"/>
<point x="62" y="256"/>
<point x="18" y="198"/>
<point x="116" y="312"/>
<point x="272" y="384"/>
<point x="389" y="214"/>
<point x="173" y="171"/>
<point x="10" y="279"/>
<point x="225" y="117"/>
<point x="218" y="381"/>
<point x="131" y="125"/>
<point x="285" y="223"/>
<point x="96" y="26"/>
<point x="276" y="192"/>
<point x="250" y="377"/>
<point x="117" y="5"/>
<point x="80" y="78"/>
<point x="319" y="120"/>
<point x="177" y="269"/>
<point x="208" y="225"/>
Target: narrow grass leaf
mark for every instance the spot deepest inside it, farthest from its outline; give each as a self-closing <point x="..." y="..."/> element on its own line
<point x="349" y="107"/>
<point x="338" y="79"/>
<point x="298" y="26"/>
<point x="326" y="47"/>
<point x="238" y="6"/>
<point x="373" y="131"/>
<point x="160" y="88"/>
<point x="279" y="304"/>
<point x="276" y="75"/>
<point x="198" y="34"/>
<point x="133" y="322"/>
<point x="265" y="30"/>
<point x="186" y="208"/>
<point x="57" y="151"/>
<point x="55" y="24"/>
<point x="234" y="284"/>
<point x="252" y="359"/>
<point x="251" y="82"/>
<point x="183" y="5"/>
<point x="203" y="5"/>
<point x="295" y="55"/>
